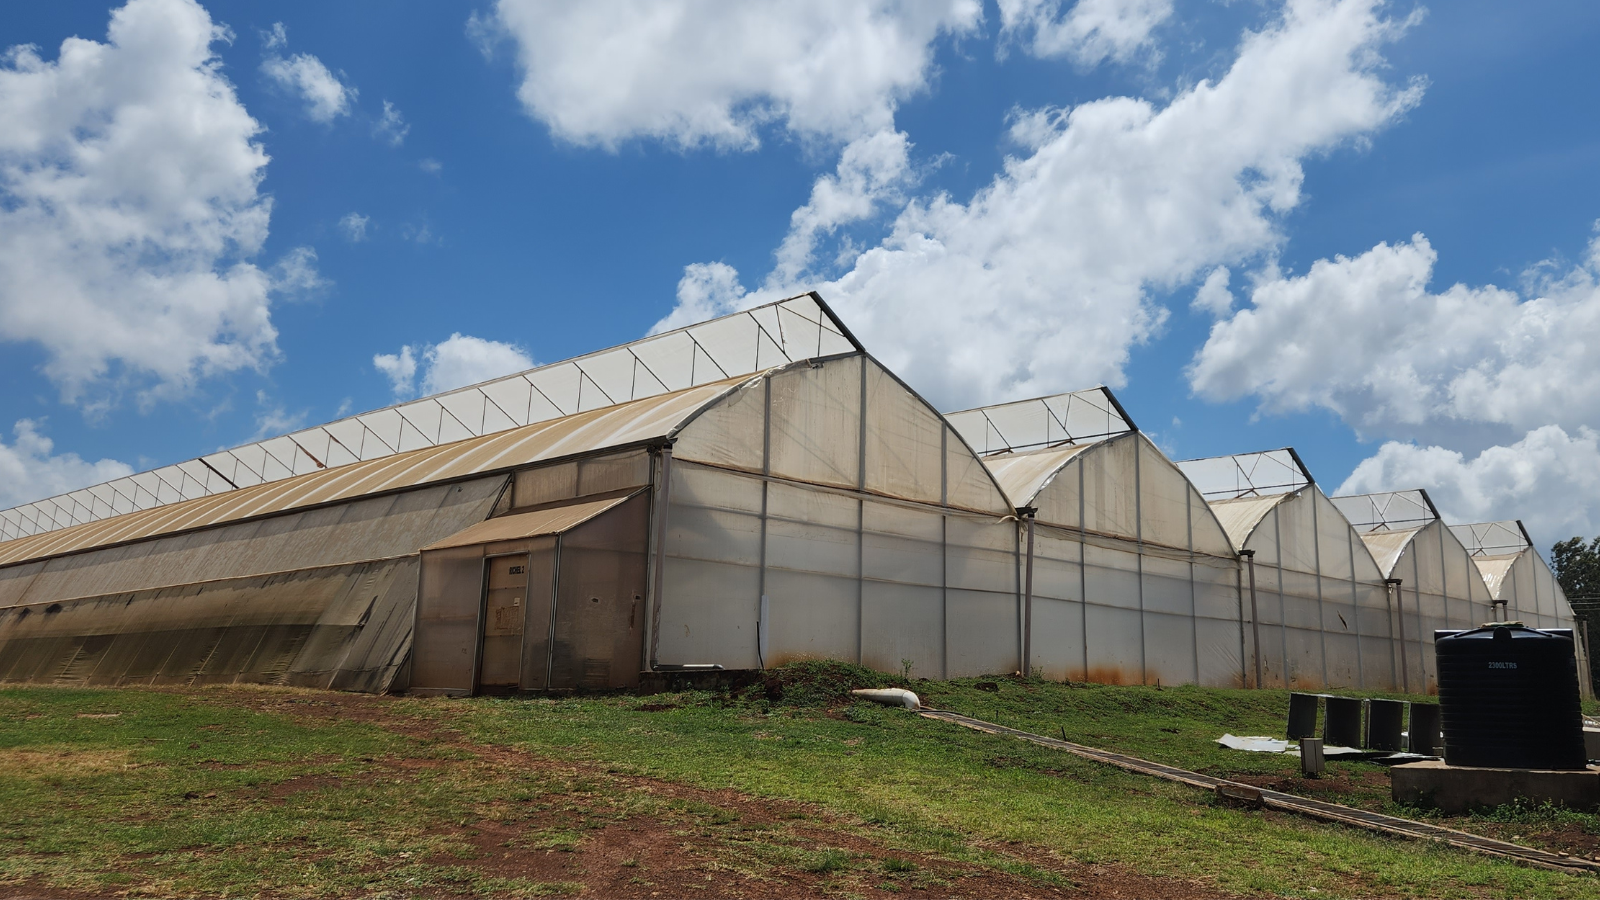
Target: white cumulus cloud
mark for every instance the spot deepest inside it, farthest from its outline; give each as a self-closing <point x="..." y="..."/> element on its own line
<point x="1499" y="389"/>
<point x="713" y="72"/>
<point x="354" y="226"/>
<point x="29" y="470"/>
<point x="1550" y="479"/>
<point x="1040" y="282"/>
<point x="272" y="419"/>
<point x="296" y="275"/>
<point x="401" y="370"/>
<point x="1088" y="32"/>
<point x="129" y="209"/>
<point x="392" y="126"/>
<point x="1213" y="295"/>
<point x="325" y="95"/>
<point x="458" y="361"/>
<point x="1366" y="338"/>
<point x="871" y="171"/>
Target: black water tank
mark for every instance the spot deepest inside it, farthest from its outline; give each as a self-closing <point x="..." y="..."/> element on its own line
<point x="1508" y="698"/>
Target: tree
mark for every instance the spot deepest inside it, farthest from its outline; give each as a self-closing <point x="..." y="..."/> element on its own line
<point x="1577" y="568"/>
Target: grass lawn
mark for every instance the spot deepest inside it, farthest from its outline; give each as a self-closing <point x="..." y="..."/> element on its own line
<point x="789" y="792"/>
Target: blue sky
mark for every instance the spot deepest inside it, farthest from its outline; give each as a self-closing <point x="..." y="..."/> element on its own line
<point x="1026" y="198"/>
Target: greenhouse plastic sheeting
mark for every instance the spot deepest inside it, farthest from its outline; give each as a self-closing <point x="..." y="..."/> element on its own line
<point x="1516" y="574"/>
<point x="322" y="597"/>
<point x="1324" y="617"/>
<point x="1134" y="579"/>
<point x="742" y="343"/>
<point x="872" y="530"/>
<point x="640" y="422"/>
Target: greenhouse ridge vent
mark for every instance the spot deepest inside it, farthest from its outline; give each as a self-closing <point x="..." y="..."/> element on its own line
<point x="743" y="492"/>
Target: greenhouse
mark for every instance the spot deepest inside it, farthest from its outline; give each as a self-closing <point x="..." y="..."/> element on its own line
<point x="1518" y="579"/>
<point x="1128" y="577"/>
<point x="1431" y="578"/>
<point x="1316" y="609"/>
<point x="738" y="493"/>
<point x="1522" y="585"/>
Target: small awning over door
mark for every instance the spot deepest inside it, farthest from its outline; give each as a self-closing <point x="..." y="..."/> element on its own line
<point x="550" y="520"/>
<point x="550" y="598"/>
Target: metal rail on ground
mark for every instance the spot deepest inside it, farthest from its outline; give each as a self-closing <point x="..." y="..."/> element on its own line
<point x="1317" y="809"/>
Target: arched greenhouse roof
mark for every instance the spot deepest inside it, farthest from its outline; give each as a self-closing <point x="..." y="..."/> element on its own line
<point x="740" y="344"/>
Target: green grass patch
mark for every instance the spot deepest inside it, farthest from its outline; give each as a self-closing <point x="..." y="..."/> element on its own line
<point x="233" y="792"/>
<point x="951" y="793"/>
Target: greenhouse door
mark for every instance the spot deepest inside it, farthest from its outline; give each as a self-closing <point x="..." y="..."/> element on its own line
<point x="504" y="611"/>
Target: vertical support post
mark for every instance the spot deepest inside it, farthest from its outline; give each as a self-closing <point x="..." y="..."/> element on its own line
<point x="766" y="490"/>
<point x="1586" y="669"/>
<point x="658" y="579"/>
<point x="1255" y="618"/>
<point x="861" y="516"/>
<point x="761" y="632"/>
<point x="1398" y="599"/>
<point x="1083" y="572"/>
<point x="1138" y="534"/>
<point x="555" y="610"/>
<point x="1027" y="600"/>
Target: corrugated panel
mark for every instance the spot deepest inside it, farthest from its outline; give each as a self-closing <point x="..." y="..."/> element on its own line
<point x="1387" y="546"/>
<point x="629" y="423"/>
<point x="552" y="520"/>
<point x="1240" y="517"/>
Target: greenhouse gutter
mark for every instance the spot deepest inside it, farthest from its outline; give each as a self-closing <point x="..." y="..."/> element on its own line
<point x="1316" y="809"/>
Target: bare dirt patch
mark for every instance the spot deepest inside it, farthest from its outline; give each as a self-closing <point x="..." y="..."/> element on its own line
<point x="1329" y="787"/>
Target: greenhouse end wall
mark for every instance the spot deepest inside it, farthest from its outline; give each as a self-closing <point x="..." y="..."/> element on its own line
<point x="1134" y="580"/>
<point x="1321" y="608"/>
<point x="826" y="511"/>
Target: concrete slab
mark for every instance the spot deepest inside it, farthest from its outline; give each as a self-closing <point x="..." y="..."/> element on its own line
<point x="1456" y="789"/>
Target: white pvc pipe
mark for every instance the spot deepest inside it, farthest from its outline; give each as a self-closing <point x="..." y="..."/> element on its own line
<point x="890" y="697"/>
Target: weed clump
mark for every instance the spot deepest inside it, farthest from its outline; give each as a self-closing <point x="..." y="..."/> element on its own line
<point x="819" y="682"/>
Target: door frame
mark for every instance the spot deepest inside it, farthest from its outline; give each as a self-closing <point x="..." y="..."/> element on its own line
<point x="483" y="620"/>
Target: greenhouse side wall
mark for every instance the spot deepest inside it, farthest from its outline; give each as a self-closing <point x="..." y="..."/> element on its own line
<point x="320" y="597"/>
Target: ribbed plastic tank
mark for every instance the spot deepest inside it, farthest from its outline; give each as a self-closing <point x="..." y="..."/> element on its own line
<point x="1508" y="698"/>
